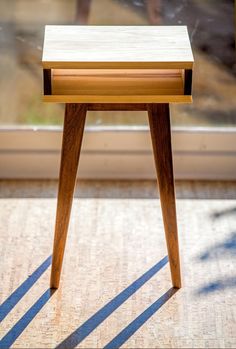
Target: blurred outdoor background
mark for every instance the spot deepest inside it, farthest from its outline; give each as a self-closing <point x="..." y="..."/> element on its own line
<point x="211" y="25"/>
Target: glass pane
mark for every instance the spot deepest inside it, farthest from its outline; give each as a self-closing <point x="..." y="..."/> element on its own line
<point x="211" y="29"/>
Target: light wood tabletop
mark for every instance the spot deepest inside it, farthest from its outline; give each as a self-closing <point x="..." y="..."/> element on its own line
<point x="73" y="46"/>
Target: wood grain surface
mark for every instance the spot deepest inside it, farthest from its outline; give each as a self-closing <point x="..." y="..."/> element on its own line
<point x="117" y="98"/>
<point x="117" y="82"/>
<point x="74" y="121"/>
<point x="159" y="120"/>
<point x="116" y="47"/>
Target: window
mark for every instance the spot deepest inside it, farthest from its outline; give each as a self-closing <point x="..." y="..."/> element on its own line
<point x="211" y="29"/>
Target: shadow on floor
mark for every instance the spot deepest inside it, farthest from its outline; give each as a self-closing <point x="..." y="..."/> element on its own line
<point x="224" y="249"/>
<point x="94" y="321"/>
<point x="16" y="296"/>
<point x="218" y="285"/>
<point x="222" y="213"/>
<point x="134" y="326"/>
<point x="21" y="325"/>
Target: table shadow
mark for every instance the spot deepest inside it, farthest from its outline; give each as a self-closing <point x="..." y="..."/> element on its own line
<point x="102" y="314"/>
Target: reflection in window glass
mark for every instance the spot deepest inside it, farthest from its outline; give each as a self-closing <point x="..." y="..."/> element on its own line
<point x="211" y="29"/>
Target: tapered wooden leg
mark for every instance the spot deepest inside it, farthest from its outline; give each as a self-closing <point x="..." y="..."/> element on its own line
<point x="159" y="120"/>
<point x="74" y="121"/>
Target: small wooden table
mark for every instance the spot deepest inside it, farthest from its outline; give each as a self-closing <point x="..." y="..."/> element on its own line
<point x="117" y="68"/>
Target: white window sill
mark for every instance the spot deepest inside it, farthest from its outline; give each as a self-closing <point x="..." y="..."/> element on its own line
<point x="118" y="153"/>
